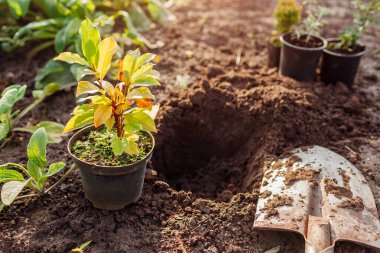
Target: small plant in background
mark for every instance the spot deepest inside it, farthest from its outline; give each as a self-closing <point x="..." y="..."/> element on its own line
<point x="365" y="14"/>
<point x="287" y="14"/>
<point x="8" y="118"/>
<point x="126" y="107"/>
<point x="313" y="22"/>
<point x="42" y="24"/>
<point x="81" y="248"/>
<point x="15" y="177"/>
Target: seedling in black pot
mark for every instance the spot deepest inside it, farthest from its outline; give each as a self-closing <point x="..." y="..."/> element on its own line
<point x="342" y="56"/>
<point x="113" y="149"/>
<point x="287" y="14"/>
<point x="301" y="50"/>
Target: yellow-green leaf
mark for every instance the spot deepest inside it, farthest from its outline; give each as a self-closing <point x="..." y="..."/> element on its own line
<point x="140" y="118"/>
<point x="86" y="87"/>
<point x="129" y="63"/>
<point x="71" y="58"/>
<point x="109" y="123"/>
<point x="102" y="114"/>
<point x="141" y="92"/>
<point x="90" y="41"/>
<point x="83" y="115"/>
<point x="107" y="48"/>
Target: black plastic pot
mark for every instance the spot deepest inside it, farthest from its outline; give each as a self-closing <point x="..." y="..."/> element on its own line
<point x="338" y="67"/>
<point x="110" y="187"/>
<point x="273" y="55"/>
<point x="298" y="62"/>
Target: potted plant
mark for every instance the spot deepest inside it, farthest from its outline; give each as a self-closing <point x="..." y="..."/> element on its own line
<point x="287" y="14"/>
<point x="112" y="153"/>
<point x="300" y="51"/>
<point x="342" y="56"/>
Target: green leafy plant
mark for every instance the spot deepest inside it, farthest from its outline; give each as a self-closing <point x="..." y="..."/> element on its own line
<point x="9" y="118"/>
<point x="365" y="14"/>
<point x="126" y="106"/>
<point x="287" y="14"/>
<point x="55" y="23"/>
<point x="15" y="177"/>
<point x="81" y="248"/>
<point x="313" y="23"/>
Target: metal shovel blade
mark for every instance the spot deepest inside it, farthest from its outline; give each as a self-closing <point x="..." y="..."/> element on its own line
<point x="322" y="196"/>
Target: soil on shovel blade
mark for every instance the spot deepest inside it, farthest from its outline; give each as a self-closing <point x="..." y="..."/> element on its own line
<point x="223" y="116"/>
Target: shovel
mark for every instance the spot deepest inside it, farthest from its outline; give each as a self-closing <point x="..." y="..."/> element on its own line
<point x="320" y="195"/>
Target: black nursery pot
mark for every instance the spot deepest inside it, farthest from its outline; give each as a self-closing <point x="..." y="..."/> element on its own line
<point x="298" y="62"/>
<point x="273" y="55"/>
<point x="340" y="67"/>
<point x="110" y="187"/>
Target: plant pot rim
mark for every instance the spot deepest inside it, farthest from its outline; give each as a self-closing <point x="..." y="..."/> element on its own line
<point x="91" y="127"/>
<point x="324" y="41"/>
<point x="327" y="51"/>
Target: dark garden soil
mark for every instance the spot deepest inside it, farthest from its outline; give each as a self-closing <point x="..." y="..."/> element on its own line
<point x="223" y="116"/>
<point x="305" y="41"/>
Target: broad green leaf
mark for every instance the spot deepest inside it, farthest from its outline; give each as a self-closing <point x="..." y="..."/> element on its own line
<point x="90" y="41"/>
<point x="101" y="100"/>
<point x="144" y="59"/>
<point x="117" y="146"/>
<point x="130" y="145"/>
<point x="102" y="114"/>
<point x="67" y="34"/>
<point x="139" y="117"/>
<point x="142" y="71"/>
<point x="11" y="190"/>
<point x="139" y="18"/>
<point x="129" y="63"/>
<point x="10" y="175"/>
<point x="20" y="90"/>
<point x="18" y="8"/>
<point x="83" y="115"/>
<point x="141" y="92"/>
<point x="54" y="72"/>
<point x="37" y="153"/>
<point x="158" y="11"/>
<point x="107" y="48"/>
<point x="71" y="58"/>
<point x="55" y="168"/>
<point x="4" y="130"/>
<point x="53" y="130"/>
<point x="51" y="88"/>
<point x="145" y="81"/>
<point x="81" y="72"/>
<point x="86" y="87"/>
<point x="10" y="96"/>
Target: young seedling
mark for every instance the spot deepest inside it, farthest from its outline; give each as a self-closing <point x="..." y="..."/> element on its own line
<point x="15" y="177"/>
<point x="365" y="14"/>
<point x="125" y="107"/>
<point x="81" y="248"/>
<point x="9" y="118"/>
<point x="313" y="22"/>
<point x="287" y="14"/>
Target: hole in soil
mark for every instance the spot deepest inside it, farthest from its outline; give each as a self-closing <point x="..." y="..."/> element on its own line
<point x="197" y="143"/>
<point x="214" y="140"/>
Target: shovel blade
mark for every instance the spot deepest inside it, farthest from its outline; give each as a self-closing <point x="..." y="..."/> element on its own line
<point x="322" y="196"/>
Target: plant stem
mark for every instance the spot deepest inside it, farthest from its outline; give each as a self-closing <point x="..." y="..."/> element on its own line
<point x="62" y="178"/>
<point x="26" y="196"/>
<point x="27" y="109"/>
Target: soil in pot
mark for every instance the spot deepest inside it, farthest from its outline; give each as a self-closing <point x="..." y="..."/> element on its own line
<point x="95" y="147"/>
<point x="110" y="182"/>
<point x="300" y="56"/>
<point x="340" y="65"/>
